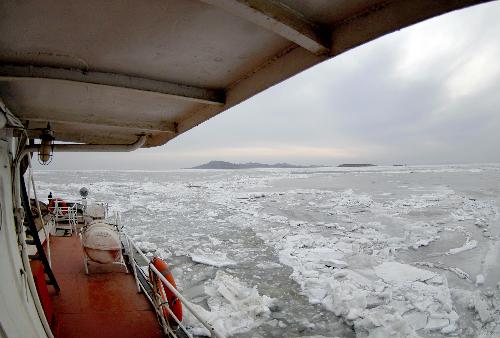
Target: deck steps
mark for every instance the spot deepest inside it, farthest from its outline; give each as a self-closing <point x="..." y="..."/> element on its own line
<point x="33" y="232"/>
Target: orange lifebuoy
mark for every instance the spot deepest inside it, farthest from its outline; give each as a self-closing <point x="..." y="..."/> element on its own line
<point x="60" y="203"/>
<point x="165" y="293"/>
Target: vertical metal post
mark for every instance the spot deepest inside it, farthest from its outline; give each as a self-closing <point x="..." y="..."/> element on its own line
<point x="47" y="233"/>
<point x="132" y="263"/>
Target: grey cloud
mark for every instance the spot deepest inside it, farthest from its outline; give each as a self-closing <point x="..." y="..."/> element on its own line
<point x="363" y="99"/>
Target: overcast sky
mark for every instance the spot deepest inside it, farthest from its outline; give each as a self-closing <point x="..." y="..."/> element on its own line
<point x="427" y="94"/>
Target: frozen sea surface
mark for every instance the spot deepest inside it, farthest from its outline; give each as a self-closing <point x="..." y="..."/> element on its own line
<point x="364" y="252"/>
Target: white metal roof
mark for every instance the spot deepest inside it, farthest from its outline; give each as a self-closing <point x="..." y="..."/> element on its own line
<point x="107" y="71"/>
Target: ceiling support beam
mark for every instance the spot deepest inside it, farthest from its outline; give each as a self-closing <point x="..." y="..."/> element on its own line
<point x="388" y="17"/>
<point x="357" y="30"/>
<point x="164" y="127"/>
<point x="175" y="90"/>
<point x="275" y="17"/>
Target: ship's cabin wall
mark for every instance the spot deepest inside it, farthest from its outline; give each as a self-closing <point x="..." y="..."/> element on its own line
<point x="18" y="315"/>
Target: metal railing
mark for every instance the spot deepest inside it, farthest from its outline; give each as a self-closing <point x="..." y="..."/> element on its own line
<point x="66" y="214"/>
<point x="159" y="307"/>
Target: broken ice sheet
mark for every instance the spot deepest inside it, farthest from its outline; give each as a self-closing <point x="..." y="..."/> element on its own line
<point x="234" y="307"/>
<point x="394" y="272"/>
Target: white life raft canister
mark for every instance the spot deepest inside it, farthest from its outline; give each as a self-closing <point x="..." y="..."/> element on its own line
<point x="96" y="211"/>
<point x="101" y="242"/>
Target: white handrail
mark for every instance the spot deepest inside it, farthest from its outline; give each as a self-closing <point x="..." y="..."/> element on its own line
<point x="146" y="259"/>
<point x="178" y="322"/>
<point x="69" y="213"/>
<point x="132" y="258"/>
<point x="184" y="301"/>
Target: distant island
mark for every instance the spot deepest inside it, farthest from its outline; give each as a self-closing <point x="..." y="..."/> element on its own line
<point x="356" y="165"/>
<point x="249" y="165"/>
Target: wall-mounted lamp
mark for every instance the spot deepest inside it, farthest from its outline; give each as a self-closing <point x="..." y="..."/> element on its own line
<point x="46" y="146"/>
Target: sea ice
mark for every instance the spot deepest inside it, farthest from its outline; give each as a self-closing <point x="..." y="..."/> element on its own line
<point x="268" y="265"/>
<point x="482" y="308"/>
<point x="212" y="213"/>
<point x="479" y="279"/>
<point x="217" y="259"/>
<point x="234" y="307"/>
<point x="394" y="272"/>
<point x="469" y="245"/>
<point x="485" y="307"/>
<point x="390" y="299"/>
<point x="348" y="267"/>
<point x="146" y="246"/>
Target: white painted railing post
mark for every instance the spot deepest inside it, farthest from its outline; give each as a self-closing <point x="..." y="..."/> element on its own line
<point x="184" y="301"/>
<point x="133" y="264"/>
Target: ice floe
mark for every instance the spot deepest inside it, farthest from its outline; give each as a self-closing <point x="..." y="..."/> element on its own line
<point x="233" y="307"/>
<point x="214" y="259"/>
<point x="469" y="245"/>
<point x="394" y="273"/>
<point x="479" y="279"/>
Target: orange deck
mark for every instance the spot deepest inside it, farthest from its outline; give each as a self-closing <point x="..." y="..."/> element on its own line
<point x="104" y="303"/>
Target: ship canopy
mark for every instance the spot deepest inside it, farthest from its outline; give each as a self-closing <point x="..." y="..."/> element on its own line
<point x="104" y="72"/>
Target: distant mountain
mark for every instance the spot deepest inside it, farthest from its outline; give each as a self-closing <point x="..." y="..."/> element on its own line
<point x="249" y="165"/>
<point x="356" y="165"/>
